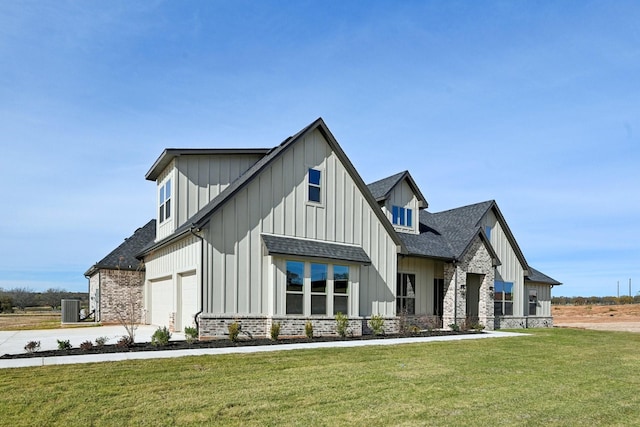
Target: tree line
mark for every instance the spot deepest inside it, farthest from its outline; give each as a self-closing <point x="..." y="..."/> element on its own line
<point x="21" y="298"/>
<point x="626" y="299"/>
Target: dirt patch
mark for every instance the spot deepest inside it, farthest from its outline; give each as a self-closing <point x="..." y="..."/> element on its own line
<point x="600" y="317"/>
<point x="12" y="322"/>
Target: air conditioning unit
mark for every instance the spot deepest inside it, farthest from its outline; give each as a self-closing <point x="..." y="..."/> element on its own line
<point x="70" y="310"/>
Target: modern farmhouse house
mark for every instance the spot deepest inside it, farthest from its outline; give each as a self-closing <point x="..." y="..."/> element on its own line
<point x="292" y="234"/>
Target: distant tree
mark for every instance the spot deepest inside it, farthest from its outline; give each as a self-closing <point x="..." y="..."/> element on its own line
<point x="6" y="304"/>
<point x="53" y="296"/>
<point x="22" y="297"/>
<point x="625" y="300"/>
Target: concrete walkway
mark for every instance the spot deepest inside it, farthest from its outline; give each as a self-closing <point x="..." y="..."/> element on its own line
<point x="12" y="342"/>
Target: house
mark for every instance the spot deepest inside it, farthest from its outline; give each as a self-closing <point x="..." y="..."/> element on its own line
<point x="292" y="234"/>
<point x="119" y="277"/>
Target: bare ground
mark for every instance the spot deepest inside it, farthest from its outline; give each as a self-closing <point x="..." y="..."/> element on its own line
<point x="599" y="317"/>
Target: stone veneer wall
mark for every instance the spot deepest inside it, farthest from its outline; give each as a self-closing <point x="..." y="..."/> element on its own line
<point x="523" y="322"/>
<point x="477" y="260"/>
<point x="214" y="326"/>
<point x="120" y="290"/>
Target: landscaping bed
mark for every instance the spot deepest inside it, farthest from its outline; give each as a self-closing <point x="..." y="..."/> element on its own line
<point x="221" y="343"/>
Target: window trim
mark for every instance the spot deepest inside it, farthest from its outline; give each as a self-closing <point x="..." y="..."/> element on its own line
<point x="402" y="216"/>
<point x="320" y="186"/>
<point x="502" y="301"/>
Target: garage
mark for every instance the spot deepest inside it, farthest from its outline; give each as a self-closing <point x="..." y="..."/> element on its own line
<point x="161" y="301"/>
<point x="188" y="306"/>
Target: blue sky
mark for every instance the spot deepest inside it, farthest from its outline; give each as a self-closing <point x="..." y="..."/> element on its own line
<point x="533" y="104"/>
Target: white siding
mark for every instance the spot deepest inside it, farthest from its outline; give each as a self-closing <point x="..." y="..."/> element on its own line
<point x="425" y="270"/>
<point x="276" y="202"/>
<point x="544" y="298"/>
<point x="511" y="270"/>
<point x="402" y="195"/>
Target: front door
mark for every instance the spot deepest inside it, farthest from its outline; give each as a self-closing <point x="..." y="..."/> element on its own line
<point x="473" y="295"/>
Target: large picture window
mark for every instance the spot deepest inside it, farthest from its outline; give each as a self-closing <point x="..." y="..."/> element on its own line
<point x="295" y="288"/>
<point x="317" y="289"/>
<point x="165" y="201"/>
<point x="503" y="299"/>
<point x="406" y="294"/>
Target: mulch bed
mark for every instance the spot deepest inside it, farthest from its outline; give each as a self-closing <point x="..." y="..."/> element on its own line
<point x="220" y="343"/>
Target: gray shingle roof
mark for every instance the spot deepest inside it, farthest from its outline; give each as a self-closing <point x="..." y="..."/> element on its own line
<point x="281" y="245"/>
<point x="124" y="256"/>
<point x="538" y="276"/>
<point x="381" y="189"/>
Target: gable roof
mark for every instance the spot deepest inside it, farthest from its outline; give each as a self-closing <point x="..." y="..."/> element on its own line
<point x="124" y="256"/>
<point x="170" y="153"/>
<point x="381" y="189"/>
<point x="202" y="217"/>
<point x="537" y="276"/>
<point x="284" y="245"/>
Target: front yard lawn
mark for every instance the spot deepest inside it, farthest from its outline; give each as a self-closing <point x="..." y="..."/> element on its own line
<point x="557" y="377"/>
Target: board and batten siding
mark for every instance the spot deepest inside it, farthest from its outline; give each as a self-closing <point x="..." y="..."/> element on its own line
<point x="402" y="195"/>
<point x="242" y="278"/>
<point x="199" y="179"/>
<point x="544" y="298"/>
<point x="510" y="270"/>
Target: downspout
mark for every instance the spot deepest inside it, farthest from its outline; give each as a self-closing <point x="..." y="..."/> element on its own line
<point x="193" y="231"/>
<point x="455" y="293"/>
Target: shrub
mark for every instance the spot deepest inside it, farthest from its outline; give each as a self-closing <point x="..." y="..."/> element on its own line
<point x="100" y="341"/>
<point x="454" y="327"/>
<point x="86" y="345"/>
<point x="377" y="324"/>
<point x="64" y="344"/>
<point x="414" y="329"/>
<point x="161" y="337"/>
<point x="308" y="329"/>
<point x="124" y="342"/>
<point x="32" y="346"/>
<point x="342" y="325"/>
<point x="234" y="331"/>
<point x="275" y="331"/>
<point x="190" y="334"/>
<point x="403" y="322"/>
<point x="431" y="322"/>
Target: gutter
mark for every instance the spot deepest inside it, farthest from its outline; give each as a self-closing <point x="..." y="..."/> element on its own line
<point x="193" y="231"/>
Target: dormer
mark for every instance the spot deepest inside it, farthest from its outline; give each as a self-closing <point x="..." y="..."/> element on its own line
<point x="401" y="201"/>
<point x="189" y="178"/>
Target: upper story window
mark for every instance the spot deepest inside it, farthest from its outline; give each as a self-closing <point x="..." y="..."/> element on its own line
<point x="315" y="181"/>
<point x="402" y="216"/>
<point x="165" y="201"/>
<point x="487" y="231"/>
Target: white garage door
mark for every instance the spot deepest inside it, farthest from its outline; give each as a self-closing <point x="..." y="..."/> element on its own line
<point x="161" y="302"/>
<point x="188" y="300"/>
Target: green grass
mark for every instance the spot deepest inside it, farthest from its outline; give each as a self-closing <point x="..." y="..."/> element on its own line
<point x="558" y="377"/>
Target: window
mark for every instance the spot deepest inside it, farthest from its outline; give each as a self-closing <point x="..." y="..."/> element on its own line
<point x="165" y="201"/>
<point x="318" y="289"/>
<point x="314" y="185"/>
<point x="295" y="280"/>
<point x="487" y="231"/>
<point x="340" y="289"/>
<point x="406" y="294"/>
<point x="402" y="216"/>
<point x="533" y="302"/>
<point x="503" y="298"/>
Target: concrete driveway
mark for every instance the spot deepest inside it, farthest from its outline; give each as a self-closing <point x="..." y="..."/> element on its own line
<point x="12" y="342"/>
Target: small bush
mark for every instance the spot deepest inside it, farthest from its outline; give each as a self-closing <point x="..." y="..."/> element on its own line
<point x="100" y="341"/>
<point x="64" y="344"/>
<point x="342" y="325"/>
<point x="275" y="331"/>
<point x="308" y="329"/>
<point x="32" y="346"/>
<point x="454" y="327"/>
<point x="414" y="329"/>
<point x="161" y="337"/>
<point x="124" y="342"/>
<point x="190" y="334"/>
<point x="377" y="324"/>
<point x="86" y="345"/>
<point x="234" y="331"/>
